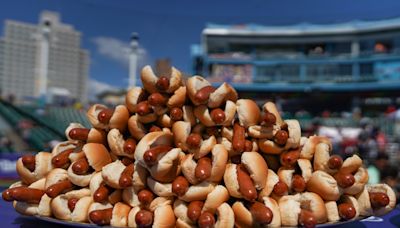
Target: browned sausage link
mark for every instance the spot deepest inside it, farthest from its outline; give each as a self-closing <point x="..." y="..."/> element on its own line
<point x="180" y="186"/>
<point x="203" y="94"/>
<point x="176" y="114"/>
<point x="7" y="194"/>
<point x="193" y="140"/>
<point x="143" y="108"/>
<point x="280" y="188"/>
<point x="81" y="166"/>
<point x="162" y="83"/>
<point x="285" y="127"/>
<point x="269" y="119"/>
<point x="194" y="210"/>
<point x="154" y="128"/>
<point x="346" y="211"/>
<point x="101" y="217"/>
<point x="248" y="145"/>
<point x="28" y="161"/>
<point x="58" y="188"/>
<point x="150" y="156"/>
<point x="261" y="213"/>
<point x="335" y="162"/>
<point x="105" y="115"/>
<point x="307" y="219"/>
<point x="80" y="134"/>
<point x="72" y="203"/>
<point x="203" y="169"/>
<point x="157" y="99"/>
<point x="144" y="218"/>
<point x="344" y="180"/>
<point x="281" y="137"/>
<point x="218" y="115"/>
<point x="61" y="159"/>
<point x="379" y="199"/>
<point x="127" y="176"/>
<point x="126" y="161"/>
<point x="23" y="194"/>
<point x="298" y="183"/>
<point x="246" y="185"/>
<point x="101" y="194"/>
<point x="129" y="146"/>
<point x="206" y="220"/>
<point x="239" y="138"/>
<point x="145" y="196"/>
<point x="289" y="159"/>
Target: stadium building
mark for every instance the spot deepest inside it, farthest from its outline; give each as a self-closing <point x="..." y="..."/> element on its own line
<point x="306" y="66"/>
<point x="43" y="60"/>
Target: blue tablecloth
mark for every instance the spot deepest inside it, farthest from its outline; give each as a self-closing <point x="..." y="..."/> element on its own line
<point x="10" y="218"/>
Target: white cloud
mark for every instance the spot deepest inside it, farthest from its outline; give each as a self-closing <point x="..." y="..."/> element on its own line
<point x="118" y="50"/>
<point x="96" y="87"/>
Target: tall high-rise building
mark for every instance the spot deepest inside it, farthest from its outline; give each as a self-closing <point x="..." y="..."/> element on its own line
<point x="43" y="60"/>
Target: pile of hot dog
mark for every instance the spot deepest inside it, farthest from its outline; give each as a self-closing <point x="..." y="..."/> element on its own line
<point x="186" y="154"/>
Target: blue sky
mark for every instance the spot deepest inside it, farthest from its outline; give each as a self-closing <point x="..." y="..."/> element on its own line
<point x="168" y="28"/>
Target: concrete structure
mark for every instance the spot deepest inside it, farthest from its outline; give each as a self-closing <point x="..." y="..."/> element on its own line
<point x="350" y="61"/>
<point x="37" y="57"/>
<point x="133" y="58"/>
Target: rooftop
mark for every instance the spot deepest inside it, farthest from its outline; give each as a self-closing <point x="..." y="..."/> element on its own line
<point x="351" y="27"/>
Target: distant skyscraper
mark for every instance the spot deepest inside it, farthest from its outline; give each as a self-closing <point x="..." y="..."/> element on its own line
<point x="43" y="59"/>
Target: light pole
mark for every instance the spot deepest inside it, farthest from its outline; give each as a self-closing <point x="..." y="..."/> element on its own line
<point x="44" y="62"/>
<point x="133" y="56"/>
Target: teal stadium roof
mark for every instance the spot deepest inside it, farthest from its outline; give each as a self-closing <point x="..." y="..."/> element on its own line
<point x="352" y="27"/>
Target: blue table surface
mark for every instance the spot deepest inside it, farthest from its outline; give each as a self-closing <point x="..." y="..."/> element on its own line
<point x="10" y="218"/>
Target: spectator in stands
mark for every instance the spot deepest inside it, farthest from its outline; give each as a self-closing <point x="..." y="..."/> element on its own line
<point x="376" y="171"/>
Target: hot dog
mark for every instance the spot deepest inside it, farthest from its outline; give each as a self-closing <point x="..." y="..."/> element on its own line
<point x="23" y="194"/>
<point x="246" y="185"/>
<point x="162" y="83"/>
<point x="261" y="214"/>
<point x="346" y="211"/>
<point x="29" y="161"/>
<point x="378" y="199"/>
<point x="176" y="114"/>
<point x="218" y="115"/>
<point x="194" y="210"/>
<point x="298" y="183"/>
<point x="143" y="108"/>
<point x="281" y="137"/>
<point x="248" y="145"/>
<point x="280" y="188"/>
<point x="101" y="194"/>
<point x="61" y="160"/>
<point x="80" y="134"/>
<point x="126" y="161"/>
<point x="335" y="162"/>
<point x="344" y="180"/>
<point x="203" y="169"/>
<point x="101" y="217"/>
<point x="269" y="119"/>
<point x="127" y="176"/>
<point x="72" y="203"/>
<point x="145" y="196"/>
<point x="289" y="159"/>
<point x="105" y="115"/>
<point x="307" y="219"/>
<point x="157" y="99"/>
<point x="203" y="94"/>
<point x="238" y="139"/>
<point x="180" y="186"/>
<point x="58" y="188"/>
<point x="150" y="156"/>
<point x="206" y="220"/>
<point x="130" y="146"/>
<point x="193" y="140"/>
<point x="144" y="218"/>
<point x="81" y="166"/>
